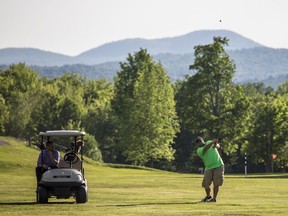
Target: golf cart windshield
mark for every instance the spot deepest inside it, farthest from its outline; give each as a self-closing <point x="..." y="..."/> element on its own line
<point x="62" y="139"/>
<point x="62" y="133"/>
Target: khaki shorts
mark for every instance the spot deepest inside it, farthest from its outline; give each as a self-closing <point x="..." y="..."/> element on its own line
<point x="214" y="175"/>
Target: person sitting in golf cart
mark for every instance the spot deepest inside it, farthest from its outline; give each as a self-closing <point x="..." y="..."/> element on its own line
<point x="48" y="159"/>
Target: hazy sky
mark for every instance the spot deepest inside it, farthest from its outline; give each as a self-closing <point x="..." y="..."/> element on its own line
<point x="74" y="26"/>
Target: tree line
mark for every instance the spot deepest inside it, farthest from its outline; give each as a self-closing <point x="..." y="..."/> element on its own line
<point x="143" y="118"/>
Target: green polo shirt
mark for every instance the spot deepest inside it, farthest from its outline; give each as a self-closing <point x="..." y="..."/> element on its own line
<point x="211" y="158"/>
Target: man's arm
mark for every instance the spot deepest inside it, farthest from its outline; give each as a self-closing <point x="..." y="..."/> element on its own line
<point x="54" y="161"/>
<point x="214" y="142"/>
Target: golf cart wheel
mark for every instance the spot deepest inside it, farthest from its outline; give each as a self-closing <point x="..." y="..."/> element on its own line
<point x="82" y="196"/>
<point x="42" y="195"/>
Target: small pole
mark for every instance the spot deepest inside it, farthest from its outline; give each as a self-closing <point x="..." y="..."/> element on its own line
<point x="245" y="165"/>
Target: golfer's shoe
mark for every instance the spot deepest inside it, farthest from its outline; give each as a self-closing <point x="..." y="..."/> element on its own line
<point x="212" y="200"/>
<point x="206" y="199"/>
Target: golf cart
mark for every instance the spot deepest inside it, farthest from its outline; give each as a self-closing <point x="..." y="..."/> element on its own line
<point x="68" y="180"/>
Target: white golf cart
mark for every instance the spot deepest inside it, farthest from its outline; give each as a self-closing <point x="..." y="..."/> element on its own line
<point x="68" y="179"/>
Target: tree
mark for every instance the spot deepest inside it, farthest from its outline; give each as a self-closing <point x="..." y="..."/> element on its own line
<point x="235" y="126"/>
<point x="186" y="108"/>
<point x="92" y="148"/>
<point x="46" y="115"/>
<point x="3" y="114"/>
<point x="144" y="105"/>
<point x="214" y="73"/>
<point x="123" y="96"/>
<point x="210" y="105"/>
<point x="19" y="88"/>
<point x="69" y="91"/>
<point x="269" y="130"/>
<point x="70" y="112"/>
<point x="99" y="120"/>
<point x="283" y="88"/>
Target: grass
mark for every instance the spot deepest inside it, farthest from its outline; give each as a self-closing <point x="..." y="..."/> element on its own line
<point x="121" y="190"/>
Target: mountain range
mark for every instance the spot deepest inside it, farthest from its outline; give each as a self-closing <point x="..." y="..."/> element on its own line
<point x="254" y="61"/>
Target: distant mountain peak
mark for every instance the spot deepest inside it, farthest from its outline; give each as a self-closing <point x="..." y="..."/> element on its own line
<point x="182" y="44"/>
<point x="119" y="50"/>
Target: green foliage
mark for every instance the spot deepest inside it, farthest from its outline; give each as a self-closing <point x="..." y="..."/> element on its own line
<point x="269" y="130"/>
<point x="3" y="114"/>
<point x="30" y="104"/>
<point x="236" y="120"/>
<point x="19" y="87"/>
<point x="91" y="148"/>
<point x="213" y="78"/>
<point x="204" y="97"/>
<point x="99" y="120"/>
<point x="283" y="88"/>
<point x="46" y="115"/>
<point x="145" y="108"/>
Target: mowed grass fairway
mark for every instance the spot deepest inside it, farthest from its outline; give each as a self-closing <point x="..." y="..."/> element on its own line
<point x="130" y="191"/>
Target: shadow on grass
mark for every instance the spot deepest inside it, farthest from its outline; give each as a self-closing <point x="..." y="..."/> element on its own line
<point x="108" y="205"/>
<point x="147" y="204"/>
<point x="31" y="203"/>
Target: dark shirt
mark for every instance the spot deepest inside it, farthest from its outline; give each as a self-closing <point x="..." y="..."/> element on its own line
<point x="46" y="159"/>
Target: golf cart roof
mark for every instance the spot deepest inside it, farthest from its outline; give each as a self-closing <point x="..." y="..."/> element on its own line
<point x="62" y="133"/>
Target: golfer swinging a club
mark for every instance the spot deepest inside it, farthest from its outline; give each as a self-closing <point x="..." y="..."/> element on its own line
<point x="214" y="167"/>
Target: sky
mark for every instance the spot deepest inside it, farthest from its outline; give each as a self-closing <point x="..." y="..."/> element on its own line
<point x="71" y="27"/>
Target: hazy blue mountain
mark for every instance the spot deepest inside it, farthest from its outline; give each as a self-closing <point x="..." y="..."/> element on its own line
<point x="258" y="64"/>
<point x="254" y="62"/>
<point x="101" y="71"/>
<point x="32" y="56"/>
<point x="116" y="51"/>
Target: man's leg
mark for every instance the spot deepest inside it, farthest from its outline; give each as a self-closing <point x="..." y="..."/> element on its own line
<point x="207" y="180"/>
<point x="208" y="192"/>
<point x="215" y="192"/>
<point x="39" y="172"/>
<point x="218" y="179"/>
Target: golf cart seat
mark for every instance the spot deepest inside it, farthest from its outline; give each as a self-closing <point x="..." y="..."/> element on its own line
<point x="63" y="164"/>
